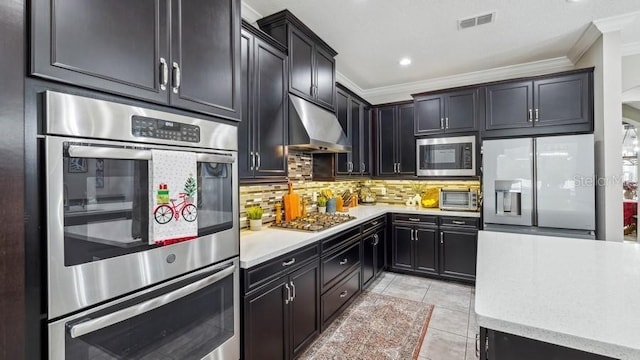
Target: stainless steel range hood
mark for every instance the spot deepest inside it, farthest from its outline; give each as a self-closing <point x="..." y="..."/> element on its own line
<point x="314" y="129"/>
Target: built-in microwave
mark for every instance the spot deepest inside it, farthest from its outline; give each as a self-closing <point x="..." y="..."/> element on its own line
<point x="449" y="156"/>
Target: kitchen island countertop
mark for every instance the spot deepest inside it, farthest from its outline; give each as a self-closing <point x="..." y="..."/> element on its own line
<point x="257" y="247"/>
<point x="580" y="294"/>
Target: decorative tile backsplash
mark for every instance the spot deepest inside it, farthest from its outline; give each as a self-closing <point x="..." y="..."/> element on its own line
<point x="300" y="165"/>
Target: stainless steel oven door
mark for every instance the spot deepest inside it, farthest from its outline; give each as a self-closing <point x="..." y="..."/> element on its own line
<point x="192" y="317"/>
<point x="97" y="220"/>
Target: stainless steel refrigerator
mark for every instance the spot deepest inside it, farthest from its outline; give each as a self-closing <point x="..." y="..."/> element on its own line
<point x="543" y="185"/>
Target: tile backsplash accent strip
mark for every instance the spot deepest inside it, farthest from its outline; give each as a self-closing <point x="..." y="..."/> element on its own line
<point x="300" y="166"/>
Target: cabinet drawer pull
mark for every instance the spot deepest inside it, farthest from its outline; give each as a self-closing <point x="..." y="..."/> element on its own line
<point x="374" y="223"/>
<point x="164" y="74"/>
<point x="478" y="345"/>
<point x="293" y="290"/>
<point x="414" y="219"/>
<point x="457" y="222"/>
<point x="343" y="294"/>
<point x="290" y="262"/>
<point x="344" y="261"/>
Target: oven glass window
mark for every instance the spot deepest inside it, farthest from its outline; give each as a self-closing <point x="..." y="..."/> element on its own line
<point x="456" y="198"/>
<point x="190" y="327"/>
<point x="215" y="191"/>
<point x="106" y="204"/>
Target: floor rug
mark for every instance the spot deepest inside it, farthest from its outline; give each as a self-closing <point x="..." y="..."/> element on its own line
<point x="375" y="326"/>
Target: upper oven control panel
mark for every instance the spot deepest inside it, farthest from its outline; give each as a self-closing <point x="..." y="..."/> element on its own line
<point x="163" y="129"/>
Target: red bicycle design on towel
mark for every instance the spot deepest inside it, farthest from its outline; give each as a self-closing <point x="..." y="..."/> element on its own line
<point x="165" y="212"/>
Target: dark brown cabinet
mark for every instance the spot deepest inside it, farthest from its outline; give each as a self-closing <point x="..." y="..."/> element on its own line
<point x="414" y="248"/>
<point x="181" y="53"/>
<point x="458" y="253"/>
<point x="396" y="150"/>
<point x="446" y="113"/>
<point x="262" y="133"/>
<point x="443" y="246"/>
<point x="557" y="103"/>
<point x="353" y="116"/>
<point x="311" y="60"/>
<point x="282" y="318"/>
<point x="373" y="255"/>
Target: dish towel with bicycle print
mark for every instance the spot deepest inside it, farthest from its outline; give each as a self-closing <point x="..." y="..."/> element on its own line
<point x="173" y="197"/>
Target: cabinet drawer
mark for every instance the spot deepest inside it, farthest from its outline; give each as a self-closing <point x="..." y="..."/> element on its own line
<point x="416" y="219"/>
<point x="336" y="265"/>
<point x="261" y="274"/>
<point x="373" y="224"/>
<point x="334" y="300"/>
<point x="457" y="221"/>
<point x="341" y="239"/>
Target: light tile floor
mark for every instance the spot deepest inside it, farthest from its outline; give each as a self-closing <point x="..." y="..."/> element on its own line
<point x="452" y="329"/>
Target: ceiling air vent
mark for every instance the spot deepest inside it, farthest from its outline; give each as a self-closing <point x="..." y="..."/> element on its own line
<point x="477" y="20"/>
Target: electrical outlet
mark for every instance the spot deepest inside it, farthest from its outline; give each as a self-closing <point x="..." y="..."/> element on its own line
<point x="383" y="190"/>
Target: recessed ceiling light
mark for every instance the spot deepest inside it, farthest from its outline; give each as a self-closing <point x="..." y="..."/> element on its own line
<point x="572" y="1"/>
<point x="405" y="61"/>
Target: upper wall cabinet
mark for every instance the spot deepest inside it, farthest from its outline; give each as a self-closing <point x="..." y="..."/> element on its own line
<point x="446" y="113"/>
<point x="396" y="150"/>
<point x="353" y="115"/>
<point x="262" y="133"/>
<point x="553" y="104"/>
<point x="181" y="53"/>
<point x="311" y="60"/>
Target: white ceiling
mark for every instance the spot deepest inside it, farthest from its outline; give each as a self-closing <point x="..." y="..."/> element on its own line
<point x="370" y="36"/>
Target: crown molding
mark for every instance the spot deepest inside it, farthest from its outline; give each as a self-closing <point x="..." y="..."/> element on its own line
<point x="630" y="49"/>
<point x="402" y="92"/>
<point x="346" y="82"/>
<point x="615" y="23"/>
<point x="250" y="14"/>
<point x="586" y="40"/>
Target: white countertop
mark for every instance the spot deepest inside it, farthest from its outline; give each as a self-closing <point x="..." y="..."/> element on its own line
<point x="257" y="247"/>
<point x="581" y="294"/>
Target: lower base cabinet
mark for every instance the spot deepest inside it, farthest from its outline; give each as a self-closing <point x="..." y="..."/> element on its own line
<point x="445" y="247"/>
<point x="373" y="255"/>
<point x="282" y="318"/>
<point x="504" y="346"/>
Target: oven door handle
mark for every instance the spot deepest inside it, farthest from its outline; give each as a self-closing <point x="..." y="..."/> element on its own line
<point x="78" y="151"/>
<point x="102" y="322"/>
<point x="94" y="152"/>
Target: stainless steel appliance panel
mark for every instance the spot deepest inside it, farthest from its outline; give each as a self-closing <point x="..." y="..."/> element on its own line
<point x="196" y="316"/>
<point x="448" y="156"/>
<point x="565" y="182"/>
<point x="72" y="115"/>
<point x="72" y="287"/>
<point x="507" y="181"/>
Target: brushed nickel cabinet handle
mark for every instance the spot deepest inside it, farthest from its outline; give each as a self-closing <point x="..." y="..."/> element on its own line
<point x="457" y="222"/>
<point x="290" y="262"/>
<point x="344" y="261"/>
<point x="442" y="123"/>
<point x="537" y="115"/>
<point x="343" y="294"/>
<point x="252" y="158"/>
<point x="293" y="290"/>
<point x="258" y="161"/>
<point x="164" y="74"/>
<point x="446" y="121"/>
<point x="414" y="219"/>
<point x="176" y="77"/>
<point x="530" y="119"/>
<point x="442" y="237"/>
<point x="288" y="299"/>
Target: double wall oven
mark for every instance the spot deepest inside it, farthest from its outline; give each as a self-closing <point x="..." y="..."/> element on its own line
<point x="113" y="293"/>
